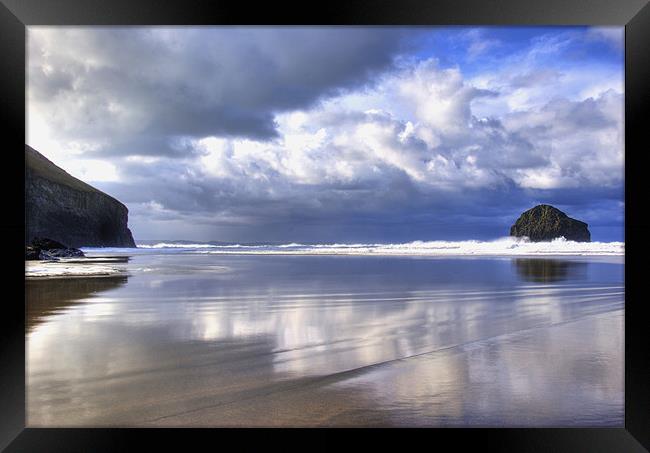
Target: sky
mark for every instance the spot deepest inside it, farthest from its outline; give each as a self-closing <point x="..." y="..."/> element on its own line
<point x="335" y="134"/>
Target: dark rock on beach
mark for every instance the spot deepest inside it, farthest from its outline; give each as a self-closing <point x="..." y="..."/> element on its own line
<point x="69" y="211"/>
<point x="545" y="223"/>
<point x="47" y="249"/>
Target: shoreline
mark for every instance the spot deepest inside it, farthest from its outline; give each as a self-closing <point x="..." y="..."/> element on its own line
<point x="402" y="254"/>
<point x="101" y="266"/>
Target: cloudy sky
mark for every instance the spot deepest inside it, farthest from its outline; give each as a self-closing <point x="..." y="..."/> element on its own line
<point x="335" y="134"/>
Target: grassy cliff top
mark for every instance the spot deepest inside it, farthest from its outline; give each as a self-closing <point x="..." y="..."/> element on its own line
<point x="40" y="166"/>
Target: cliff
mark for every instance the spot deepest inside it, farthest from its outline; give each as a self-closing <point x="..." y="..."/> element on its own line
<point x="58" y="206"/>
<point x="545" y="222"/>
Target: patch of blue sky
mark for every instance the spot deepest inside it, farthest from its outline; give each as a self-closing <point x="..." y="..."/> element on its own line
<point x="486" y="49"/>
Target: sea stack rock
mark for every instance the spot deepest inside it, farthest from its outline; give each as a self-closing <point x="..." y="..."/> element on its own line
<point x="66" y="210"/>
<point x="545" y="223"/>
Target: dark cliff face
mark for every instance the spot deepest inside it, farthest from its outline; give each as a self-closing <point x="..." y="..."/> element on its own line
<point x="545" y="223"/>
<point x="61" y="207"/>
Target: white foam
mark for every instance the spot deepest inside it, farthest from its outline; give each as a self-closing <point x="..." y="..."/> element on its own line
<point x="65" y="269"/>
<point x="172" y="245"/>
<point x="501" y="247"/>
<point x="507" y="246"/>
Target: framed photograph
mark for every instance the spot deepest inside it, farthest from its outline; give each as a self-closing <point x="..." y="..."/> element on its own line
<point x="364" y="215"/>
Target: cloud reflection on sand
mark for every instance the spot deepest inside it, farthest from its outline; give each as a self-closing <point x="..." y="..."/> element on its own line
<point x="207" y="349"/>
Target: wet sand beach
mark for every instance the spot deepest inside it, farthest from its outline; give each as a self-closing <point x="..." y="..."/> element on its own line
<point x="189" y="339"/>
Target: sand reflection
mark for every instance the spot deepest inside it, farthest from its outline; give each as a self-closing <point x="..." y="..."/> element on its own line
<point x="541" y="270"/>
<point x="46" y="297"/>
<point x="298" y="342"/>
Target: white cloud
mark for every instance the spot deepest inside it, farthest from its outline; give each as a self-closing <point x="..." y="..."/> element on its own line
<point x="478" y="43"/>
<point x="614" y="36"/>
<point x="560" y="143"/>
<point x="93" y="170"/>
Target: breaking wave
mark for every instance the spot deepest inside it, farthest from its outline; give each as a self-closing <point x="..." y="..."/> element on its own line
<point x="499" y="247"/>
<point x="174" y="245"/>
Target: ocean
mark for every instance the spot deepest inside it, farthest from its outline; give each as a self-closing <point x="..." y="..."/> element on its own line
<point x="499" y="333"/>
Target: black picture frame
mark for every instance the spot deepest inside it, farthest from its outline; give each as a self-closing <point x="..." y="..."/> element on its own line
<point x="15" y="15"/>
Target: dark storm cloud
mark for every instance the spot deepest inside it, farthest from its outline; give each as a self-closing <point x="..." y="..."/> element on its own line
<point x="160" y="84"/>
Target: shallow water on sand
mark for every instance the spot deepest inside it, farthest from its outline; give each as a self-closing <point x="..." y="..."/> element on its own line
<point x="210" y="340"/>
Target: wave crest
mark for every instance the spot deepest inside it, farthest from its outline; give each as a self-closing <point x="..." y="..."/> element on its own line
<point x="503" y="246"/>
